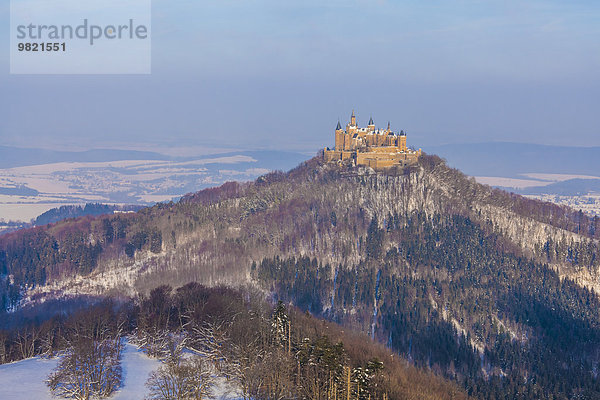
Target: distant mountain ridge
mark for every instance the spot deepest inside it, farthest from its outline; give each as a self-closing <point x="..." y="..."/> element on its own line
<point x="576" y="186"/>
<point x="11" y="157"/>
<point x="511" y="159"/>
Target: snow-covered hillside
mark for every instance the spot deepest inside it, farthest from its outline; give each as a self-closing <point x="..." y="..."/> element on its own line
<point x="25" y="380"/>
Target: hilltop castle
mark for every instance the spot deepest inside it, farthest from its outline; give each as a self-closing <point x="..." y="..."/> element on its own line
<point x="375" y="148"/>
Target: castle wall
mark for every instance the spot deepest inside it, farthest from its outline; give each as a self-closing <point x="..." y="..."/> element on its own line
<point x="375" y="149"/>
<point x="402" y="143"/>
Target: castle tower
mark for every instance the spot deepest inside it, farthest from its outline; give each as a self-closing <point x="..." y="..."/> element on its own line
<point x="371" y="126"/>
<point x="351" y="128"/>
<point x="339" y="137"/>
<point x="402" y="141"/>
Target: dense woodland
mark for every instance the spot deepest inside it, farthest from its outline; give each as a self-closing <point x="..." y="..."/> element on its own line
<point x="75" y="211"/>
<point x="451" y="298"/>
<point x="263" y="351"/>
<point x="472" y="283"/>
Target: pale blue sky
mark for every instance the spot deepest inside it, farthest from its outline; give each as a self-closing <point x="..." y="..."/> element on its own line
<point x="266" y="74"/>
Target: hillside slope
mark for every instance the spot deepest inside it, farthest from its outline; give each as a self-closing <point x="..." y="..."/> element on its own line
<point x="458" y="277"/>
<point x="315" y="210"/>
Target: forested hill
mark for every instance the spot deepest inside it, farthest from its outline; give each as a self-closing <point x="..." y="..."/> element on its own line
<point x="480" y="285"/>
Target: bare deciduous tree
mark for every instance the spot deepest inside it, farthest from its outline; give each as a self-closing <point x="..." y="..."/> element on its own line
<point x="182" y="379"/>
<point x="27" y="340"/>
<point x="91" y="365"/>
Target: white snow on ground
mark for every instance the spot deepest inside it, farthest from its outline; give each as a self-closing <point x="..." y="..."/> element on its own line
<point x="510" y="182"/>
<point x="125" y="181"/>
<point x="25" y="379"/>
<point x="558" y="177"/>
<point x="136" y="368"/>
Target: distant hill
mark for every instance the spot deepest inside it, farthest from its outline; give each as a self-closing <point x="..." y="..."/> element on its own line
<point x="571" y="187"/>
<point x="511" y="159"/>
<point x="19" y="156"/>
<point x="71" y="211"/>
<point x="64" y="212"/>
<point x="18" y="191"/>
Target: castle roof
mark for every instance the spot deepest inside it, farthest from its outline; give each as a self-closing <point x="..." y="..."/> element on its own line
<point x="338" y="126"/>
<point x="371" y="121"/>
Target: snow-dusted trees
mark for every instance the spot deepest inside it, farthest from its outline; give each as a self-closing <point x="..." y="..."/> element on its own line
<point x="153" y="341"/>
<point x="155" y="327"/>
<point x="90" y="366"/>
<point x="281" y="327"/>
<point x="26" y="341"/>
<point x="4" y="353"/>
<point x="263" y="353"/>
<point x="209" y="340"/>
<point x="321" y="368"/>
<point x="182" y="379"/>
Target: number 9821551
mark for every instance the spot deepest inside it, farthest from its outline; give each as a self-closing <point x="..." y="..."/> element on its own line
<point x="42" y="46"/>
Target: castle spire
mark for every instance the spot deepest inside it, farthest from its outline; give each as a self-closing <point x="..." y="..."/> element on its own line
<point x="353" y="119"/>
<point x="388" y="126"/>
<point x="339" y="126"/>
<point x="371" y="121"/>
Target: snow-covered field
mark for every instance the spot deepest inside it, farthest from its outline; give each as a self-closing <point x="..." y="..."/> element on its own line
<point x="26" y="192"/>
<point x="587" y="203"/>
<point x="510" y="182"/>
<point x="24" y="380"/>
<point x="530" y="180"/>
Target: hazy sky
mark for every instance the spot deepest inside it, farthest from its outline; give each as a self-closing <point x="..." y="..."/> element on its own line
<point x="266" y="74"/>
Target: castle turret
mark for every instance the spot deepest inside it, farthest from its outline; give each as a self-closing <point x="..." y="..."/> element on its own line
<point x="351" y="128"/>
<point x="339" y="137"/>
<point x="402" y="141"/>
<point x="371" y="126"/>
